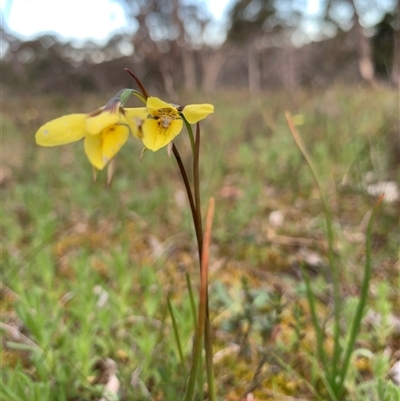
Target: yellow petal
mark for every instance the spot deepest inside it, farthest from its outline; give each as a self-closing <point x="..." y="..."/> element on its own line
<point x="100" y="149"/>
<point x="62" y="130"/>
<point x="196" y="112"/>
<point x="134" y="118"/>
<point x="96" y="124"/>
<point x="154" y="104"/>
<point x="113" y="140"/>
<point x="155" y="137"/>
<point x="93" y="152"/>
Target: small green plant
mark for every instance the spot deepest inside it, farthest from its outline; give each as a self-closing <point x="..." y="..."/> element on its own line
<point x="335" y="366"/>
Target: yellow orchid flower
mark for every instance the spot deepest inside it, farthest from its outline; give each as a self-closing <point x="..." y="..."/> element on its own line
<point x="104" y="131"/>
<point x="165" y="123"/>
<point x="108" y="131"/>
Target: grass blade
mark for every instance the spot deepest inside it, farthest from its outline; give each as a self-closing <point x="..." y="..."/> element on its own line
<point x="363" y="298"/>
<point x="191" y="298"/>
<point x="317" y="328"/>
<point x="331" y="254"/>
<point x="176" y="332"/>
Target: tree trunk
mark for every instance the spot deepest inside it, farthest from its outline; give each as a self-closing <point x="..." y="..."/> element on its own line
<point x="395" y="73"/>
<point x="288" y="68"/>
<point x="165" y="68"/>
<point x="212" y="63"/>
<point x="363" y="43"/>
<point x="189" y="69"/>
<point x="254" y="69"/>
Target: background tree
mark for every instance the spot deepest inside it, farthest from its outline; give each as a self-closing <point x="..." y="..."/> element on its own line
<point x="168" y="33"/>
<point x="169" y="45"/>
<point x="385" y="47"/>
<point x="249" y="19"/>
<point x="353" y="14"/>
<point x="256" y="22"/>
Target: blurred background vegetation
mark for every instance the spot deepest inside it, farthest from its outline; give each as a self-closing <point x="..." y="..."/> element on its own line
<point x="178" y="44"/>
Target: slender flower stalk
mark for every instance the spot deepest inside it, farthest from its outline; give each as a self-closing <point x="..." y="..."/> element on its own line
<point x="188" y="189"/>
<point x="196" y="184"/>
<point x="164" y="122"/>
<point x="203" y="329"/>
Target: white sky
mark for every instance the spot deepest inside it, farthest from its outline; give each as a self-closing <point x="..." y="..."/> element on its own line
<point x="98" y="20"/>
<point x="74" y="19"/>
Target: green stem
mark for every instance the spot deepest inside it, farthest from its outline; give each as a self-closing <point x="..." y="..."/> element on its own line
<point x="331" y="254"/>
<point x="139" y="96"/>
<point x="198" y="341"/>
<point x="191" y="384"/>
<point x="203" y="322"/>
<point x="176" y="332"/>
<point x="209" y="357"/>
<point x="298" y="376"/>
<point x="318" y="330"/>
<point x="190" y="132"/>
<point x="207" y="326"/>
<point x="198" y="338"/>
<point x="336" y="300"/>
<point x="191" y="298"/>
<point x="355" y="326"/>
<point x="194" y="315"/>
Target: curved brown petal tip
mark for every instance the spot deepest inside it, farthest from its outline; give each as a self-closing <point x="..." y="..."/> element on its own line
<point x="139" y="83"/>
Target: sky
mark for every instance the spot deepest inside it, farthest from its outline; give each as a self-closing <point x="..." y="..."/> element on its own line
<point x="97" y="20"/>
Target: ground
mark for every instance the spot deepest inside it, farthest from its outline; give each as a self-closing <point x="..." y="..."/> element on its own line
<point x="87" y="269"/>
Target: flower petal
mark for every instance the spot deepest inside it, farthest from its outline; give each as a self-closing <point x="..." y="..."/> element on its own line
<point x="156" y="137"/>
<point x="100" y="149"/>
<point x="196" y="112"/>
<point x="154" y="104"/>
<point x="96" y="124"/>
<point x="134" y="118"/>
<point x="93" y="151"/>
<point x="113" y="139"/>
<point x="62" y="130"/>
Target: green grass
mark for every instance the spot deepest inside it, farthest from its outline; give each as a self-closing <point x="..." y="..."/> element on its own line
<point x="86" y="270"/>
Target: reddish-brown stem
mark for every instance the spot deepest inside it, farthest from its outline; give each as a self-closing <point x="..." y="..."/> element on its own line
<point x="187" y="187"/>
<point x="204" y="293"/>
<point x="196" y="184"/>
<point x="139" y="83"/>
